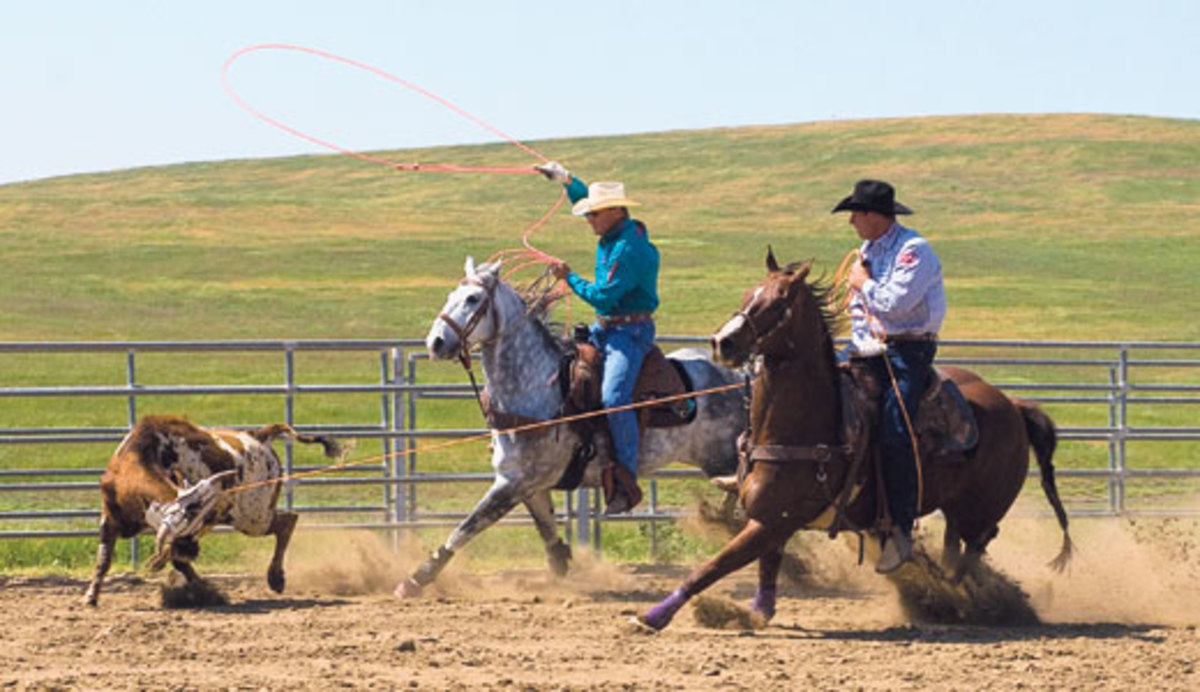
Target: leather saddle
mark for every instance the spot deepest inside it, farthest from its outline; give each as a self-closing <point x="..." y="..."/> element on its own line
<point x="946" y="428"/>
<point x="659" y="378"/>
<point x="581" y="375"/>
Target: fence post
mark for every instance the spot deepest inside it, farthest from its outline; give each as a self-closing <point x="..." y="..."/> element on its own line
<point x="385" y="440"/>
<point x="289" y="417"/>
<point x="411" y="462"/>
<point x="1113" y="388"/>
<point x="400" y="446"/>
<point x="1123" y="430"/>
<point x="131" y="381"/>
<point x="654" y="512"/>
<point x="598" y="525"/>
<point x="583" y="527"/>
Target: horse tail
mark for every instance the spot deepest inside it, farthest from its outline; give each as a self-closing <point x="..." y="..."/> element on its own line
<point x="333" y="449"/>
<point x="1043" y="436"/>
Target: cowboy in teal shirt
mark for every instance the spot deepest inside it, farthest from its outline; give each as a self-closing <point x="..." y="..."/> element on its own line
<point x="626" y="266"/>
<point x="624" y="295"/>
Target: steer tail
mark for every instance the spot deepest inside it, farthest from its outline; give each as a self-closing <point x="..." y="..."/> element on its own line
<point x="1043" y="436"/>
<point x="333" y="448"/>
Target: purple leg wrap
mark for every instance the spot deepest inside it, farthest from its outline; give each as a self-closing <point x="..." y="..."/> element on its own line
<point x="764" y="602"/>
<point x="660" y="615"/>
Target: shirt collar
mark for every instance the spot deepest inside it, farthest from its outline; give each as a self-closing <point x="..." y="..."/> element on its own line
<point x="616" y="231"/>
<point x="886" y="240"/>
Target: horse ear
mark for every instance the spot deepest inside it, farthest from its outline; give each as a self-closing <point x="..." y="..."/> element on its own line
<point x="491" y="269"/>
<point x="772" y="265"/>
<point x="800" y="269"/>
<point x="469" y="266"/>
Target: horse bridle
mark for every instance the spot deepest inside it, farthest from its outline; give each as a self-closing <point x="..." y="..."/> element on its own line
<point x="759" y="335"/>
<point x="464" y="331"/>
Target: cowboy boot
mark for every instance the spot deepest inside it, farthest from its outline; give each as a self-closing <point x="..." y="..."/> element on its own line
<point x="897" y="550"/>
<point x="625" y="492"/>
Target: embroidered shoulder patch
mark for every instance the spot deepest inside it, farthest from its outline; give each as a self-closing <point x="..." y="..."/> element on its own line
<point x="908" y="258"/>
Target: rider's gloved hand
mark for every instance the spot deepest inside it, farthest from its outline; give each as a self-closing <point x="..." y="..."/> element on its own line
<point x="554" y="170"/>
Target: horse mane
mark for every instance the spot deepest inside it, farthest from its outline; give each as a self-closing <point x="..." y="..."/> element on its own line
<point x="537" y="317"/>
<point x="825" y="293"/>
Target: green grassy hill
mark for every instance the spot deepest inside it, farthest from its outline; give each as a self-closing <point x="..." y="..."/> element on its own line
<point x="1065" y="226"/>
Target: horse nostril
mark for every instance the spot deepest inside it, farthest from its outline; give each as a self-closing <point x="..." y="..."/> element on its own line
<point x="721" y="345"/>
<point x="437" y="344"/>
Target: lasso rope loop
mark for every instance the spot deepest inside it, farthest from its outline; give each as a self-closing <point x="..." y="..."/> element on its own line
<point x="436" y="168"/>
<point x="533" y="252"/>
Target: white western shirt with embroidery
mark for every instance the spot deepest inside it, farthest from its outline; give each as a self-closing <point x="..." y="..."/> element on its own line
<point x="904" y="295"/>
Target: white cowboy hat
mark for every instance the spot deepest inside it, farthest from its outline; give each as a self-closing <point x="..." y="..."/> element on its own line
<point x="602" y="196"/>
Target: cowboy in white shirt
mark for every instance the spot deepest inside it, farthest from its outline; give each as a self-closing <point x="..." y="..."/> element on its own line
<point x="896" y="312"/>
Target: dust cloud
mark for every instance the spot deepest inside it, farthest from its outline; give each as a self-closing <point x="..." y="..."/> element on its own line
<point x="1141" y="570"/>
<point x="1125" y="570"/>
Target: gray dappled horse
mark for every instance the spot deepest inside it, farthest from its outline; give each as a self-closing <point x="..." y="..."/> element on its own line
<point x="521" y="362"/>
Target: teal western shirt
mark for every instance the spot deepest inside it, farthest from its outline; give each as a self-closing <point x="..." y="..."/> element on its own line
<point x="626" y="279"/>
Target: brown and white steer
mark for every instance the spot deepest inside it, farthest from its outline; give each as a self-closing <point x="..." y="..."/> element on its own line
<point x="163" y="454"/>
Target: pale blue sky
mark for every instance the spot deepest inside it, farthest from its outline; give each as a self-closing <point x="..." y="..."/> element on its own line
<point x="95" y="86"/>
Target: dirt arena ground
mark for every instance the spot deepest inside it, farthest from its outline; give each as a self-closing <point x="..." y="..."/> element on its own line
<point x="1125" y="617"/>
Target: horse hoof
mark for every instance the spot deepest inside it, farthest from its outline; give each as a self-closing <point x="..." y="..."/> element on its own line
<point x="656" y="621"/>
<point x="560" y="559"/>
<point x="764" y="604"/>
<point x="638" y="625"/>
<point x="275" y="580"/>
<point x="661" y="615"/>
<point x="408" y="589"/>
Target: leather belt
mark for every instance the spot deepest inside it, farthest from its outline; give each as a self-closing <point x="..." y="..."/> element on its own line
<point x="618" y="320"/>
<point x="923" y="336"/>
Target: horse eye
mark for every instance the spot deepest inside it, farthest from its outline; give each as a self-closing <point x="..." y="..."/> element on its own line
<point x="472" y="299"/>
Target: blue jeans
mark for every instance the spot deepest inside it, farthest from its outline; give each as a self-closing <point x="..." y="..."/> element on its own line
<point x="625" y="348"/>
<point x="910" y="361"/>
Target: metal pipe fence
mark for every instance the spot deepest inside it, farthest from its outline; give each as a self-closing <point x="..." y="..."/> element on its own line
<point x="1108" y="381"/>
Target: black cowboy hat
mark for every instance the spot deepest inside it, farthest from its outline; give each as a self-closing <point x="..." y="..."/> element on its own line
<point x="872" y="195"/>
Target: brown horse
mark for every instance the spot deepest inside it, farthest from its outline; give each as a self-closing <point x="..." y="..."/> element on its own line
<point x="803" y="475"/>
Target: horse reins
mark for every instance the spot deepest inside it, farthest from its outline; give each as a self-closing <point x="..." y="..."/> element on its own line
<point x="821" y="454"/>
